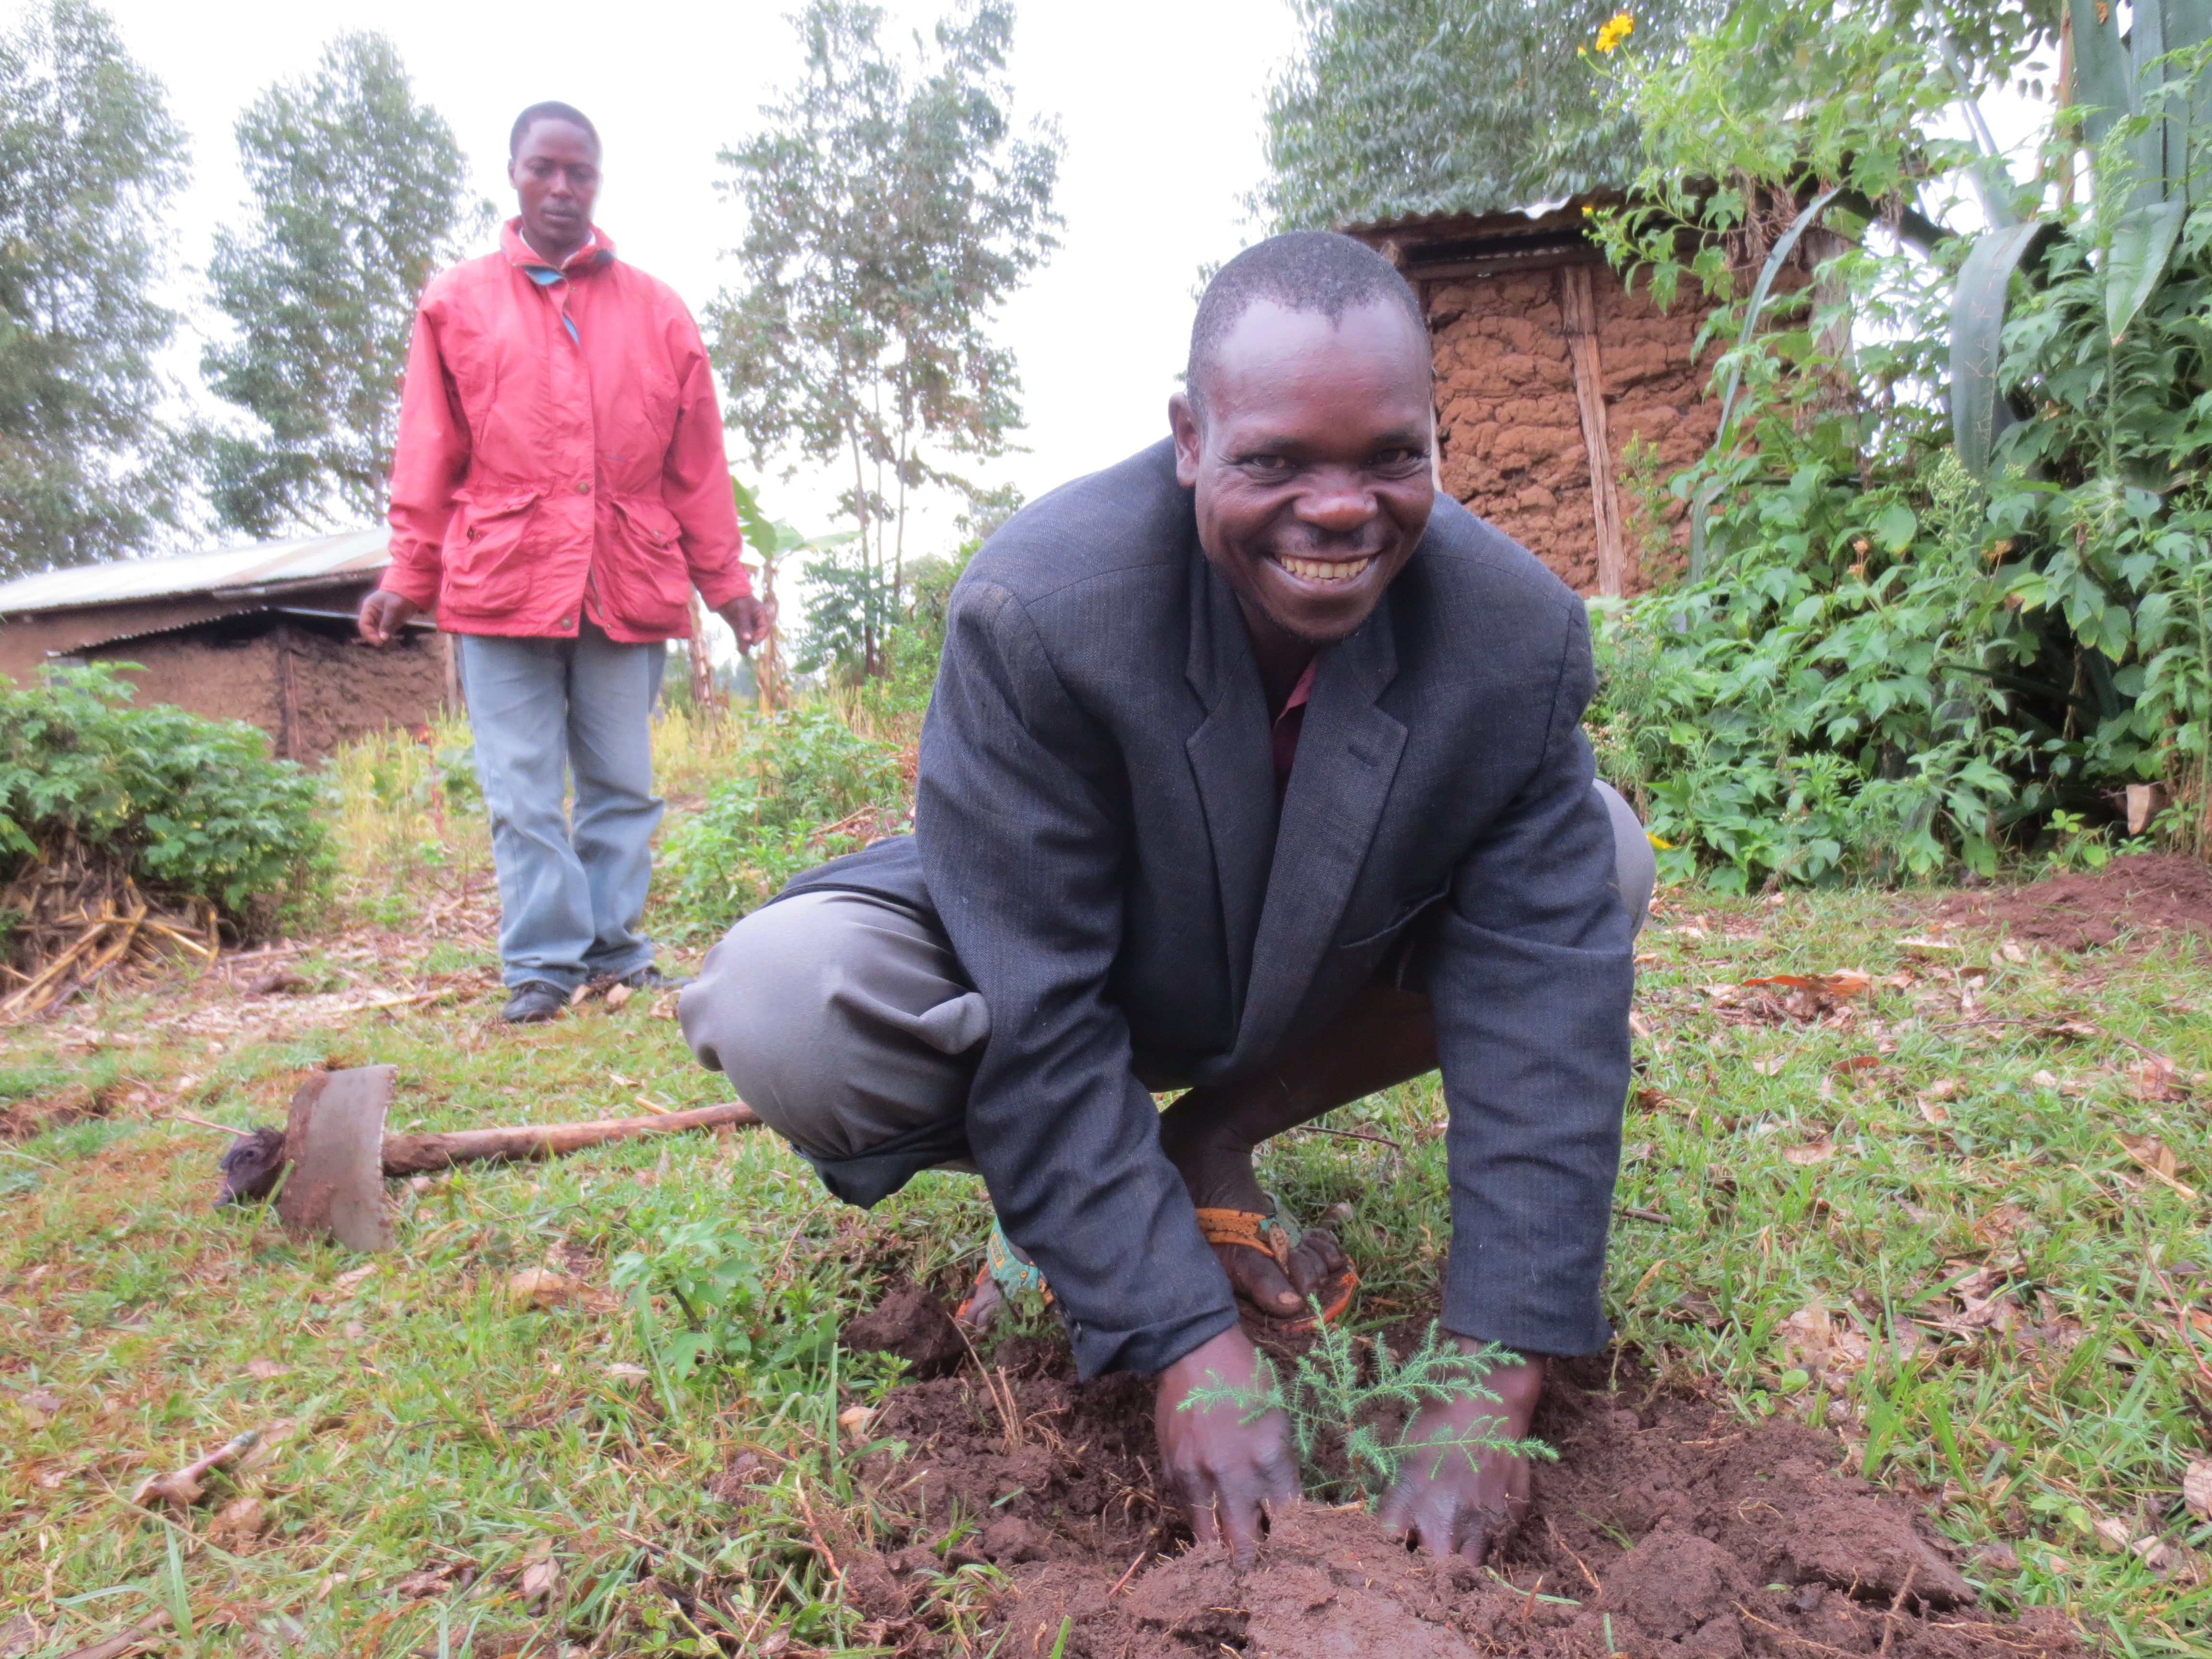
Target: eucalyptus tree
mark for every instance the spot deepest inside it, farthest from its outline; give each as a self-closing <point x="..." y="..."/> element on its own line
<point x="893" y="205"/>
<point x="359" y="193"/>
<point x="88" y="160"/>
<point x="1393" y="109"/>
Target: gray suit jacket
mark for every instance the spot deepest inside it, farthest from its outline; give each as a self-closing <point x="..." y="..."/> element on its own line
<point x="1096" y="832"/>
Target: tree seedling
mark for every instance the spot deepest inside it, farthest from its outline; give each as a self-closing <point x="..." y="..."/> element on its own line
<point x="1335" y="1402"/>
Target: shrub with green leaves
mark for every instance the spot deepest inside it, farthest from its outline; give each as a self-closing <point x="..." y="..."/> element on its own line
<point x="1915" y="635"/>
<point x="808" y="789"/>
<point x="194" y="807"/>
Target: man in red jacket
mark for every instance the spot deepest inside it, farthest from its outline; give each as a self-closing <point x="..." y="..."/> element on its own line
<point x="558" y="489"/>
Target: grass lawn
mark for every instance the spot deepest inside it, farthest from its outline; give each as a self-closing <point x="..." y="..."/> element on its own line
<point x="1915" y="1221"/>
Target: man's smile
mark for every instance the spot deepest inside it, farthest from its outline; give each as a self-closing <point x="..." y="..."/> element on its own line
<point x="1327" y="571"/>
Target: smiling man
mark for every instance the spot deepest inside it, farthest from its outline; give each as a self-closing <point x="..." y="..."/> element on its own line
<point x="1254" y="769"/>
<point x="558" y="489"/>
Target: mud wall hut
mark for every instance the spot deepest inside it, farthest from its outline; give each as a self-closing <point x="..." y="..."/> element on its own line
<point x="262" y="634"/>
<point x="1565" y="398"/>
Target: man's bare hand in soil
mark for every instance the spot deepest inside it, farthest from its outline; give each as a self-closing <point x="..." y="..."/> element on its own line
<point x="1450" y="1501"/>
<point x="383" y="614"/>
<point x="1226" y="1471"/>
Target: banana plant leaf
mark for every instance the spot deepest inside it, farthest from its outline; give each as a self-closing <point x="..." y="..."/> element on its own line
<point x="2142" y="246"/>
<point x="1979" y="413"/>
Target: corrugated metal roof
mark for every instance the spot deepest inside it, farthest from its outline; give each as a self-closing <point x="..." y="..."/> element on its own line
<point x="269" y="564"/>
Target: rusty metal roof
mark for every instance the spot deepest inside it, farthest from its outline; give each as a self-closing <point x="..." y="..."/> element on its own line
<point x="233" y="572"/>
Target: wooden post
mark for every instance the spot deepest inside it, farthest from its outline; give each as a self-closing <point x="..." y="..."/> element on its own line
<point x="287" y="697"/>
<point x="1578" y="319"/>
<point x="454" y="704"/>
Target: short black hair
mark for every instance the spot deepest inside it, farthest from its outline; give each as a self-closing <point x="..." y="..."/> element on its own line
<point x="549" y="112"/>
<point x="1309" y="270"/>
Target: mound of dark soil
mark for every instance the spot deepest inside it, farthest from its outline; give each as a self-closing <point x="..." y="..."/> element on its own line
<point x="2147" y="896"/>
<point x="1663" y="1530"/>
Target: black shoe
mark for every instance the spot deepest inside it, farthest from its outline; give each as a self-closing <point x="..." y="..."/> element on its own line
<point x="534" y="1002"/>
<point x="650" y="978"/>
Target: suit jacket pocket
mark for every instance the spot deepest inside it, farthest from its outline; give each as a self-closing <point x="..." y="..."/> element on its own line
<point x="1408" y="913"/>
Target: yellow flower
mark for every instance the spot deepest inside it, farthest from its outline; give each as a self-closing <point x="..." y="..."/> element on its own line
<point x="1616" y="30"/>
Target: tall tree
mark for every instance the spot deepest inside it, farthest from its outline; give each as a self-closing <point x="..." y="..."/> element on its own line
<point x="893" y="207"/>
<point x="89" y="158"/>
<point x="359" y="193"/>
<point x="1395" y="108"/>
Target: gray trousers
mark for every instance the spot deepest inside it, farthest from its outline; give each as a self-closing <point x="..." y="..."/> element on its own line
<point x="542" y="712"/>
<point x="846" y="1022"/>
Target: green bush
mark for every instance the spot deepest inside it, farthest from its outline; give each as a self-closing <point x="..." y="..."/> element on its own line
<point x="808" y="789"/>
<point x="1884" y="667"/>
<point x="194" y="806"/>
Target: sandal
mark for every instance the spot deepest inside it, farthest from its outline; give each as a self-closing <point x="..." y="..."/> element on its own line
<point x="1272" y="1237"/>
<point x="1005" y="1271"/>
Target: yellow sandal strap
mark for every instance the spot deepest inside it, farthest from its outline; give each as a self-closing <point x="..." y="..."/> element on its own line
<point x="1264" y="1233"/>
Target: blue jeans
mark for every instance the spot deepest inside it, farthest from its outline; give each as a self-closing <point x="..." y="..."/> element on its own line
<point x="569" y="897"/>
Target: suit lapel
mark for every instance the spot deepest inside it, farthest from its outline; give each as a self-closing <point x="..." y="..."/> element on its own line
<point x="1348" y="754"/>
<point x="1231" y="762"/>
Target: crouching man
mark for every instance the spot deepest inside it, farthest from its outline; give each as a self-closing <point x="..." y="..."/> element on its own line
<point x="1254" y="769"/>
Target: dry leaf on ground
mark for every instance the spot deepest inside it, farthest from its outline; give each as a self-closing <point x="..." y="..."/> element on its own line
<point x="1932" y="1108"/>
<point x="2152" y="1079"/>
<point x="39" y="1405"/>
<point x="1983" y="1303"/>
<point x="1803" y="999"/>
<point x="239" y="1521"/>
<point x="2196" y="1490"/>
<point x="1817" y="1341"/>
<point x="1813" y="1151"/>
<point x="266" y="1371"/>
<point x="2156" y="1159"/>
<point x="543" y="1289"/>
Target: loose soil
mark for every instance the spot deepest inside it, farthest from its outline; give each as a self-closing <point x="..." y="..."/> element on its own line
<point x="2145" y="897"/>
<point x="1665" y="1530"/>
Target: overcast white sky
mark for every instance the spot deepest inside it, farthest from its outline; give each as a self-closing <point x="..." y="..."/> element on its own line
<point x="1160" y="103"/>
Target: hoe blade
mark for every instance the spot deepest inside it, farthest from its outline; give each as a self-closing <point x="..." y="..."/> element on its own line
<point x="335" y="1139"/>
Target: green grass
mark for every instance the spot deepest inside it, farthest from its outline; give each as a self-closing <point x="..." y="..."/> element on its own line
<point x="544" y="1476"/>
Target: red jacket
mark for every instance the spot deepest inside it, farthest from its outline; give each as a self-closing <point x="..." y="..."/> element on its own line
<point x="560" y="455"/>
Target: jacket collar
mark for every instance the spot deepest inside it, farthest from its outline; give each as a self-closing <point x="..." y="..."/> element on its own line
<point x="598" y="251"/>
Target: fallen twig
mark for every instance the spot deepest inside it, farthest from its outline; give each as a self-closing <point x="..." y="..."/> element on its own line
<point x="181" y="1487"/>
<point x="115" y="1646"/>
<point x="1342" y="1134"/>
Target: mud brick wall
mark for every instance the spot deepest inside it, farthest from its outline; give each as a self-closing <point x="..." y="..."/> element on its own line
<point x="343" y="690"/>
<point x="1511" y="433"/>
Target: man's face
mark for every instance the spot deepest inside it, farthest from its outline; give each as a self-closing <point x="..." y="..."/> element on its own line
<point x="555" y="172"/>
<point x="1312" y="463"/>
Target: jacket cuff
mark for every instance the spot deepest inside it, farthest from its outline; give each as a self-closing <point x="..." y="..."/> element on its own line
<point x="719" y="591"/>
<point x="418" y="587"/>
<point x="1146" y="1349"/>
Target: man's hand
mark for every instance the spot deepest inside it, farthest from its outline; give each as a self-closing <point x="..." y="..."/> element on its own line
<point x="1225" y="1471"/>
<point x="1452" y="1501"/>
<point x="748" y="619"/>
<point x="383" y="614"/>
